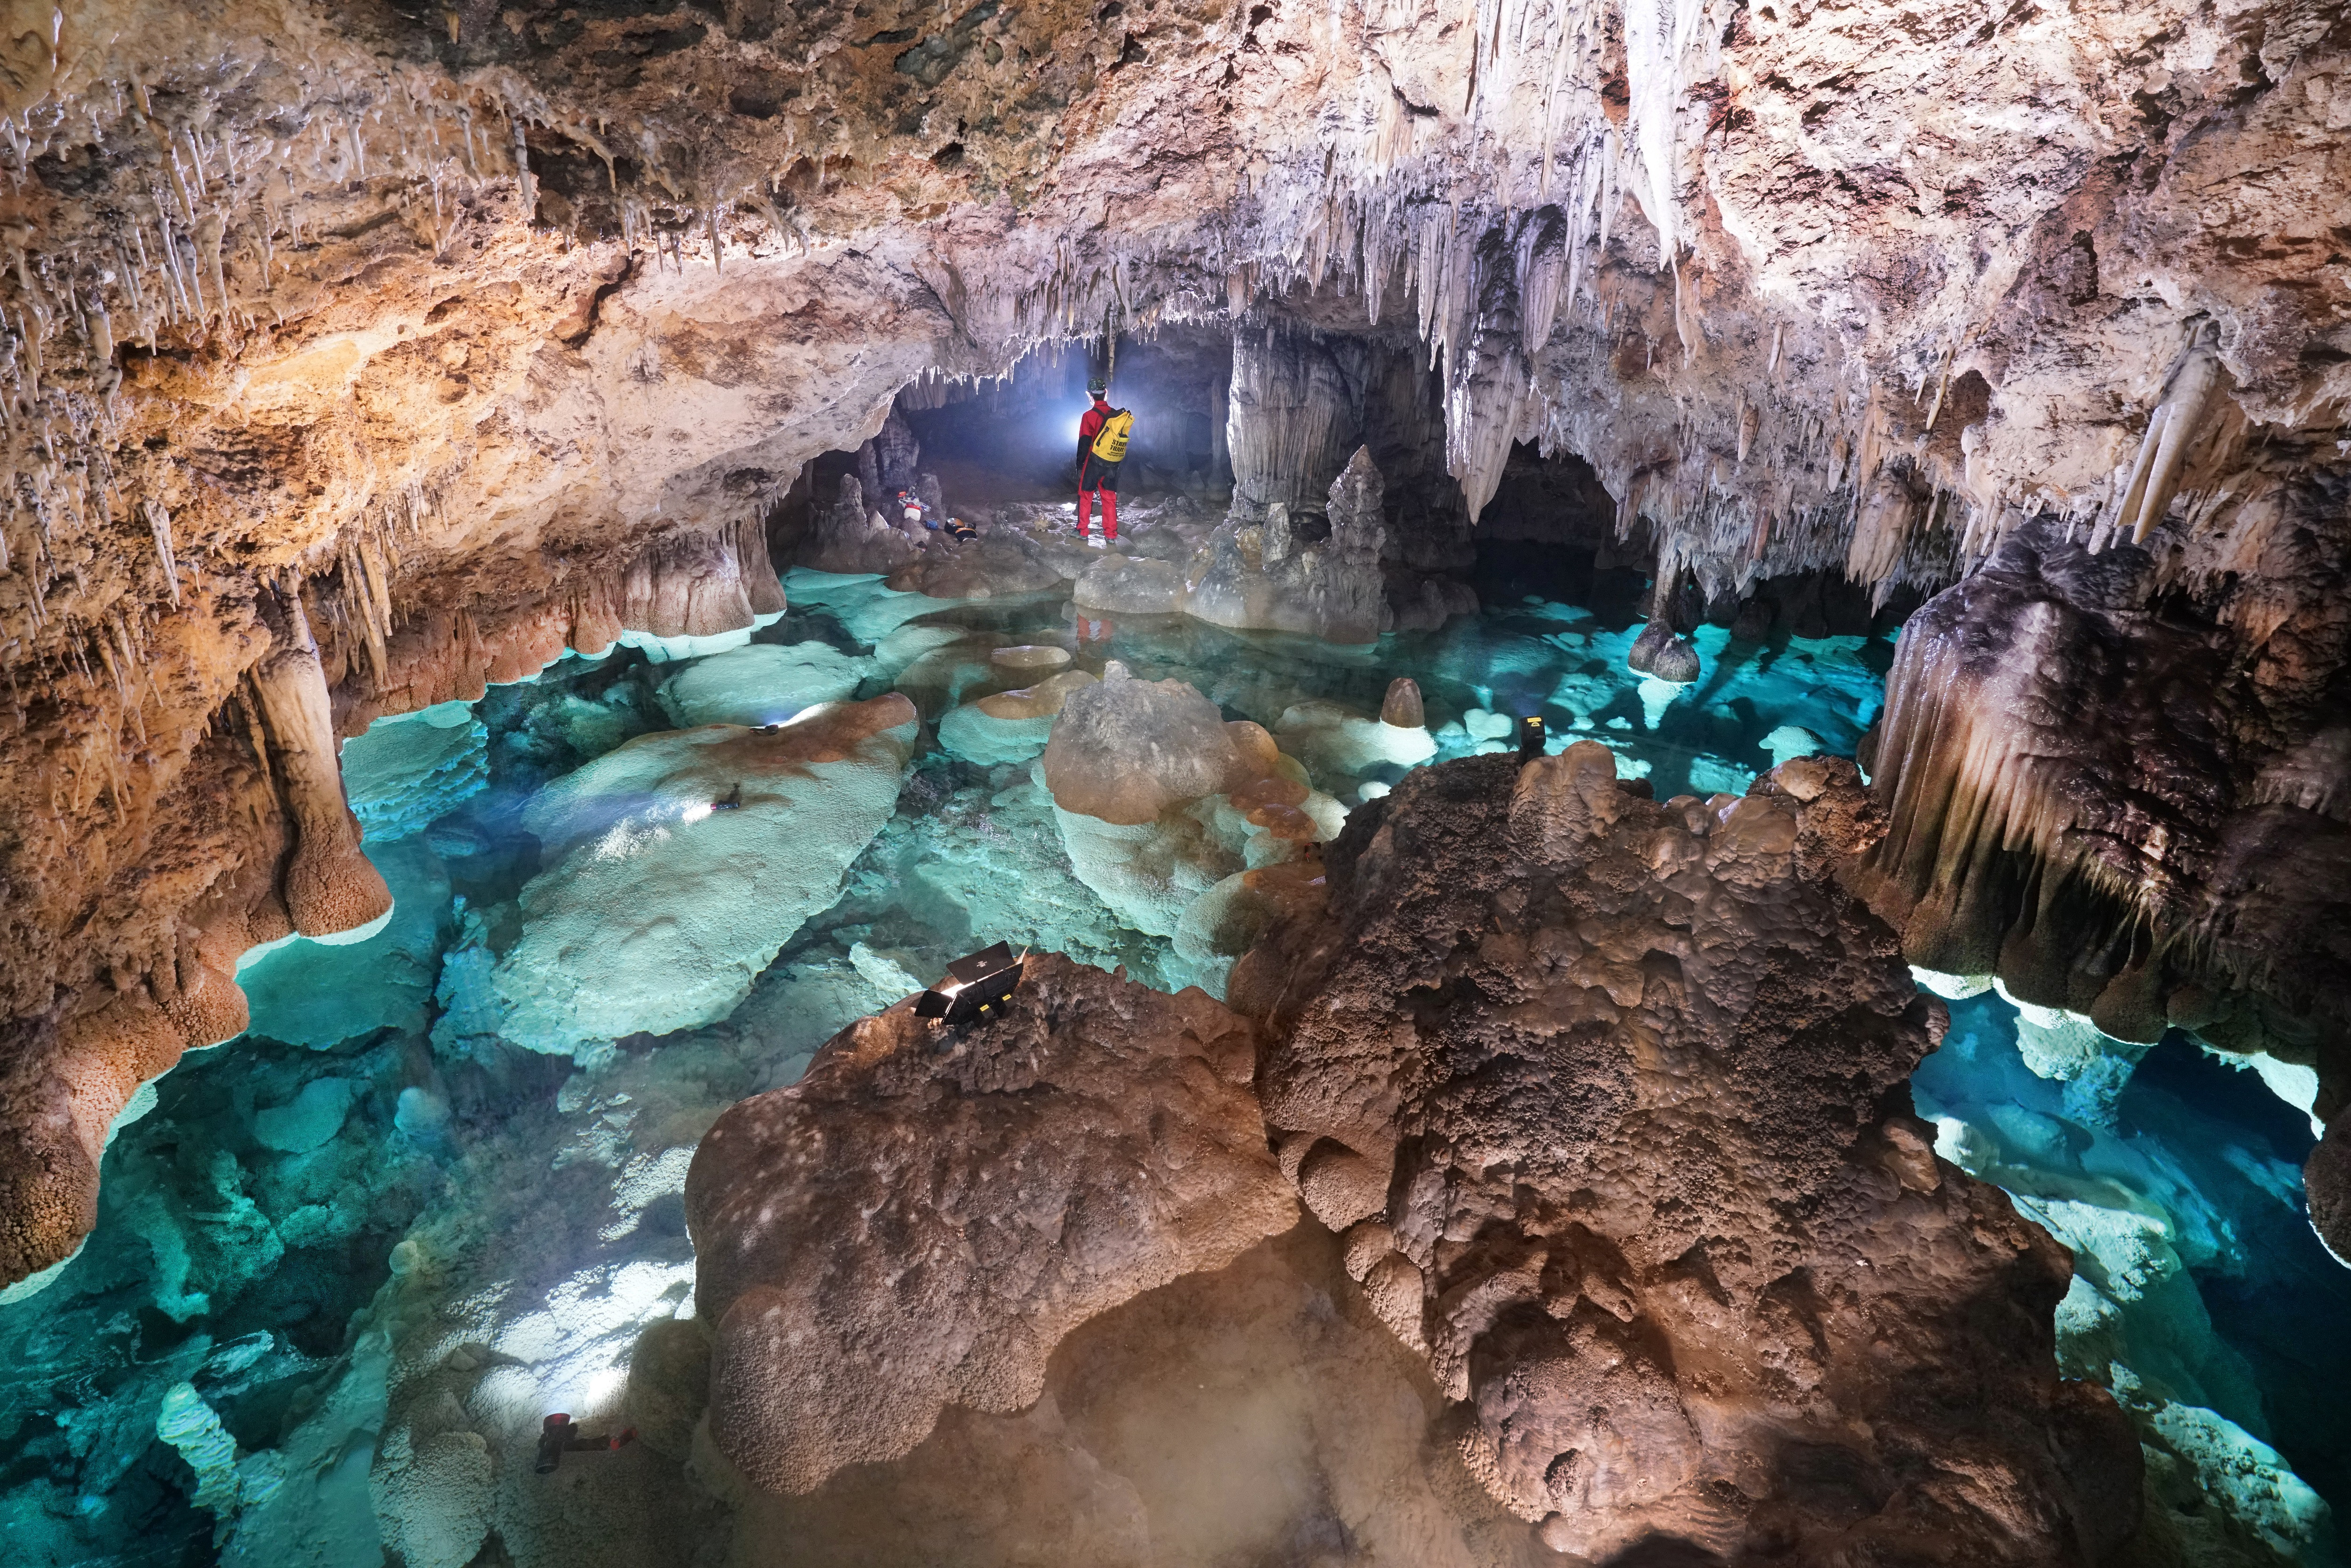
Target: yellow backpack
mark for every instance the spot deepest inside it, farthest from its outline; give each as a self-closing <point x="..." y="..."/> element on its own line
<point x="1111" y="445"/>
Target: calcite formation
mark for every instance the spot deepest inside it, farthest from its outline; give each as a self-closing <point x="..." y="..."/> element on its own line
<point x="356" y="357"/>
<point x="1264" y="575"/>
<point x="1608" y="1097"/>
<point x="491" y="327"/>
<point x="920" y="1219"/>
<point x="2097" y="769"/>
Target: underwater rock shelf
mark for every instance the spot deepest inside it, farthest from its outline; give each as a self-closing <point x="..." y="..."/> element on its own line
<point x="344" y="1264"/>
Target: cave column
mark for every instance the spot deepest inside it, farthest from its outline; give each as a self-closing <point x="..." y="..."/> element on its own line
<point x="329" y="886"/>
<point x="1293" y="421"/>
<point x="1220" y="445"/>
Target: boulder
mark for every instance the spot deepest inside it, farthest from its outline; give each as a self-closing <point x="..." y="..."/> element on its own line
<point x="923" y="1217"/>
<point x="1255" y="1414"/>
<point x="1657" y="652"/>
<point x="1608" y="1098"/>
<point x="1125" y="750"/>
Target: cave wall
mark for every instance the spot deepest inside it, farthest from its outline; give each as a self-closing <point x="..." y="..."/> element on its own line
<point x="447" y="321"/>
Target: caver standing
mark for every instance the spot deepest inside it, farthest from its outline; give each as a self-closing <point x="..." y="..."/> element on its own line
<point x="1102" y="434"/>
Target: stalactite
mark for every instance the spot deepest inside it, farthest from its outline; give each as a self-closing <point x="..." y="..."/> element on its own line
<point x="2178" y="419"/>
<point x="1542" y="269"/>
<point x="159" y="524"/>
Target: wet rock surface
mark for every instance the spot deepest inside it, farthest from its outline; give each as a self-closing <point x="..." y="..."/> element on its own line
<point x="678" y="864"/>
<point x="929" y="1211"/>
<point x="2097" y="769"/>
<point x="1255" y="1413"/>
<point x="1609" y="1098"/>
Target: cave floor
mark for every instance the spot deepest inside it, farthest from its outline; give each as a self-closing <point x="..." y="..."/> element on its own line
<point x="345" y="1263"/>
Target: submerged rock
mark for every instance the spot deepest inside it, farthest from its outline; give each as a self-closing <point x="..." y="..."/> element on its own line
<point x="405" y="772"/>
<point x="1025" y="657"/>
<point x="1607" y="1096"/>
<point x="920" y="1220"/>
<point x="1335" y="744"/>
<point x="763" y="683"/>
<point x="321" y="993"/>
<point x="1010" y="727"/>
<point x="678" y="864"/>
<point x="1131" y="585"/>
<point x="1125" y="750"/>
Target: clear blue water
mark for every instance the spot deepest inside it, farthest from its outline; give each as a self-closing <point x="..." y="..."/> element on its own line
<point x="357" y="1253"/>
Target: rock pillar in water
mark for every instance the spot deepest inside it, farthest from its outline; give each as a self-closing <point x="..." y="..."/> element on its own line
<point x="1402" y="705"/>
<point x="1291" y="420"/>
<point x="1553" y="1149"/>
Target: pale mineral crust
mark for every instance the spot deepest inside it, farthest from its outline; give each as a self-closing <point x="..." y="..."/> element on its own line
<point x="919" y="1221"/>
<point x="1610" y="1098"/>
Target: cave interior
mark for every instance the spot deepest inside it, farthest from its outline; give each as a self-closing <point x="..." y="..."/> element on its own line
<point x="1682" y="879"/>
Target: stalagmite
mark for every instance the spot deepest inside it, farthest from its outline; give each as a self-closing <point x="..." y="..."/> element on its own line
<point x="328" y="885"/>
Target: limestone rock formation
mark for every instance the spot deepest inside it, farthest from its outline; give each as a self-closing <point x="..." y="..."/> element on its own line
<point x="1240" y="1416"/>
<point x="2096" y="768"/>
<point x="1014" y="726"/>
<point x="929" y="1211"/>
<point x="1124" y="750"/>
<point x="1658" y="651"/>
<point x="403" y="773"/>
<point x="760" y="685"/>
<point x="1131" y="585"/>
<point x="1608" y="1097"/>
<point x="328" y="885"/>
<point x="1339" y="747"/>
<point x="852" y="537"/>
<point x="1402" y="705"/>
<point x="678" y="864"/>
<point x="1259" y="574"/>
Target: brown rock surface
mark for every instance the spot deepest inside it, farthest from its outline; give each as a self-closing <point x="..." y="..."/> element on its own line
<point x="1258" y="1413"/>
<point x="1124" y="750"/>
<point x="1610" y="1098"/>
<point x="2117" y="780"/>
<point x="918" y="1221"/>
